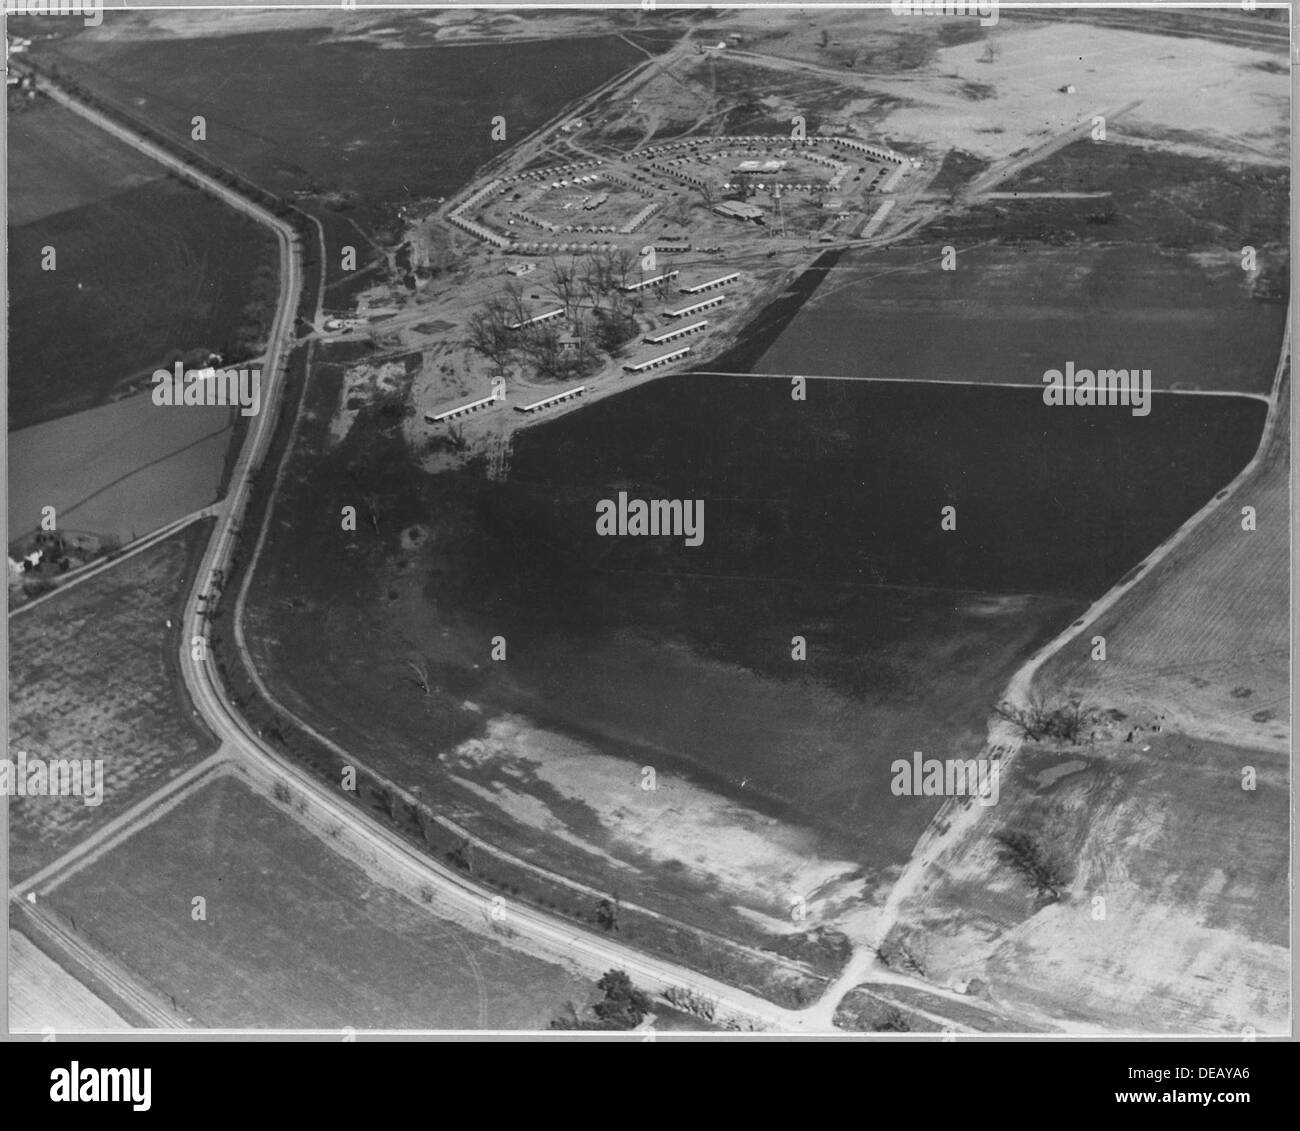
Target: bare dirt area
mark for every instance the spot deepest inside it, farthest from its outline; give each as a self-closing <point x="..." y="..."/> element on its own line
<point x="92" y="675"/>
<point x="1167" y="824"/>
<point x="44" y="996"/>
<point x="1173" y="919"/>
<point x="997" y="90"/>
<point x="291" y="934"/>
<point x="548" y="783"/>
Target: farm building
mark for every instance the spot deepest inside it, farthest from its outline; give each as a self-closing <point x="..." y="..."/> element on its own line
<point x="738" y="210"/>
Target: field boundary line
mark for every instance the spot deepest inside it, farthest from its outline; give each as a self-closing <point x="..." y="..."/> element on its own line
<point x="1267" y="398"/>
<point x="89" y="965"/>
<point x="956" y="818"/>
<point x="142" y="814"/>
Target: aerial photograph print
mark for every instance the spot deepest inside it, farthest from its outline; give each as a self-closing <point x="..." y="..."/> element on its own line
<point x="674" y="521"/>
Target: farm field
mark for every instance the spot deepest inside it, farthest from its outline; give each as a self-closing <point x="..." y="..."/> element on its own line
<point x="679" y="658"/>
<point x="92" y="674"/>
<point x="295" y="935"/>
<point x="1203" y="644"/>
<point x="312" y="113"/>
<point x="1019" y="311"/>
<point x="42" y="993"/>
<point x="1151" y="814"/>
<point x="120" y="470"/>
<point x="145" y="267"/>
<point x="58" y="161"/>
<point x="1191" y="871"/>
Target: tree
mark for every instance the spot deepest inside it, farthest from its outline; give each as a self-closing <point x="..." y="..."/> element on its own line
<point x="624" y="1006"/>
<point x="1039" y="719"/>
<point x="420" y="670"/>
<point x="462" y="856"/>
<point x="564" y="282"/>
<point x="598" y="276"/>
<point x="607" y="914"/>
<point x="490" y="333"/>
<point x="1045" y="871"/>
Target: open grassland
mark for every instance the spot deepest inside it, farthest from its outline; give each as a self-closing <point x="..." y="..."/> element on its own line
<point x="1203" y="644"/>
<point x="92" y="674"/>
<point x="294" y="935"/>
<point x="148" y="269"/>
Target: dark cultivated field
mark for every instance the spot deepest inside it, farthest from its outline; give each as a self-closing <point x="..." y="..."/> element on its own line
<point x="1148" y="275"/>
<point x="140" y="273"/>
<point x="1151" y="196"/>
<point x="822" y="520"/>
<point x="360" y="130"/>
<point x="1008" y="314"/>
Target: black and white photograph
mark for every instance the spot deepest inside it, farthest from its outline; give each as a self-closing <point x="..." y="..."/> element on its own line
<point x="648" y="523"/>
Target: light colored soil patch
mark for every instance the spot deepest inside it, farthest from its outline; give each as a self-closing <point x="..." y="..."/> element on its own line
<point x="1174" y="920"/>
<point x="749" y="859"/>
<point x="1224" y="103"/>
<point x="362" y="384"/>
<point x="123" y="469"/>
<point x="43" y="995"/>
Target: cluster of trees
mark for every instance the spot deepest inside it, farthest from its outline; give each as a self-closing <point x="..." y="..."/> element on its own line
<point x="589" y="290"/>
<point x="1040" y="719"/>
<point x="622" y="1007"/>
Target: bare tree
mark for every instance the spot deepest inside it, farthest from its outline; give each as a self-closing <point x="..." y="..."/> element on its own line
<point x="564" y="282"/>
<point x="1039" y="719"/>
<point x="489" y="331"/>
<point x="599" y="277"/>
<point x="623" y="261"/>
<point x="420" y="669"/>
